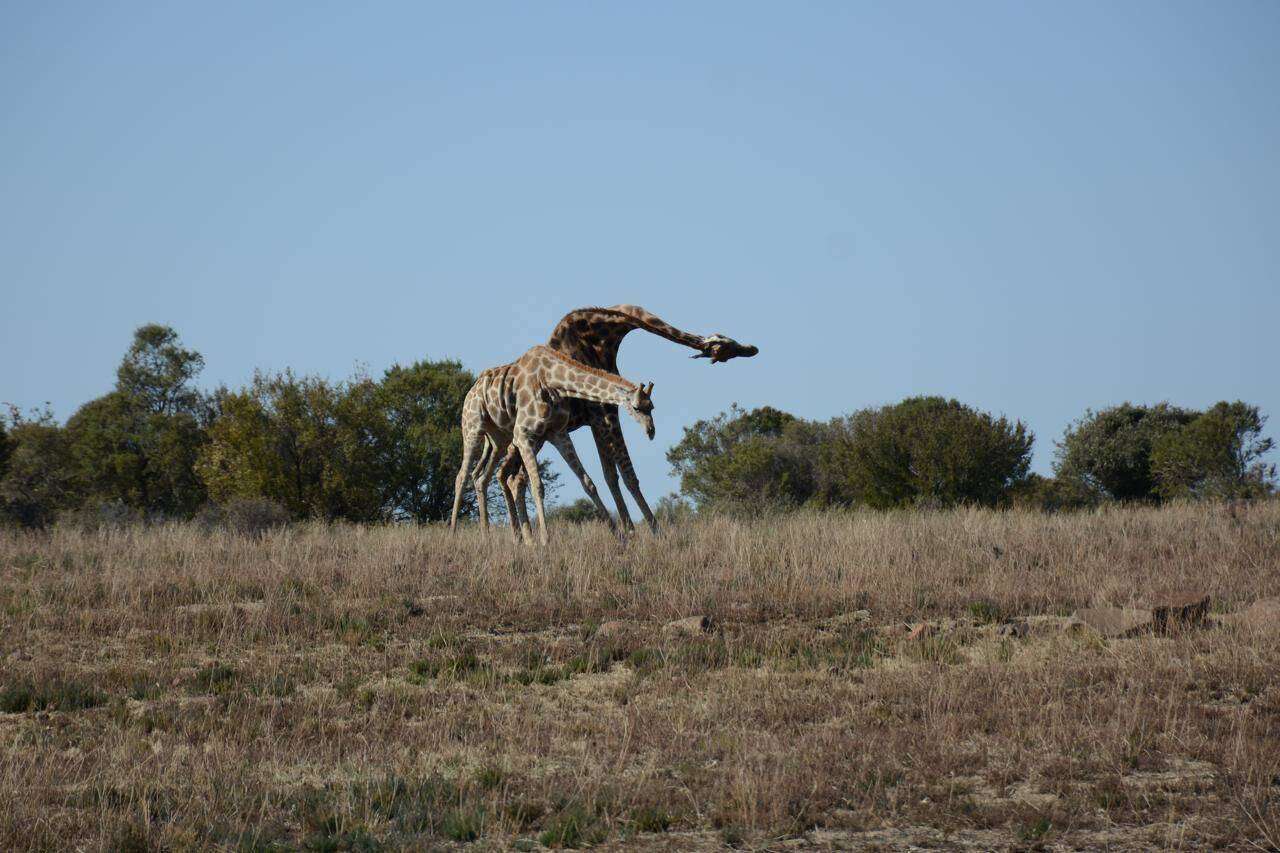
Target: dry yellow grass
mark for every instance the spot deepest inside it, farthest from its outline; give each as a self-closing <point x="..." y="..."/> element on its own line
<point x="353" y="688"/>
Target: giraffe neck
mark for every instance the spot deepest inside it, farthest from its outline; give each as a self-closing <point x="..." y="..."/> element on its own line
<point x="593" y="335"/>
<point x="585" y="382"/>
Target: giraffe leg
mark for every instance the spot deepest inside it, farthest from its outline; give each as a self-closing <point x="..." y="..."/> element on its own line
<point x="513" y="479"/>
<point x="600" y="433"/>
<point x="564" y="444"/>
<point x="483" y="474"/>
<point x="611" y="428"/>
<point x="472" y="441"/>
<point x="633" y="483"/>
<point x="529" y="455"/>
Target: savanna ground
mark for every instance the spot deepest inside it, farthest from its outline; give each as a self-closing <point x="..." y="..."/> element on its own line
<point x="333" y="688"/>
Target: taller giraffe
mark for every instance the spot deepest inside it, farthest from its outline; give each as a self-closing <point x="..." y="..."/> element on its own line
<point x="592" y="336"/>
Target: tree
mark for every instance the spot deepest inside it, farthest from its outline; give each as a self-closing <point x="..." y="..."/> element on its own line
<point x="1110" y="451"/>
<point x="419" y="438"/>
<point x="138" y="444"/>
<point x="6" y="447"/>
<point x="739" y="461"/>
<point x="156" y="373"/>
<point x="580" y="511"/>
<point x="1218" y="454"/>
<point x="38" y="480"/>
<point x="925" y="451"/>
<point x="275" y="439"/>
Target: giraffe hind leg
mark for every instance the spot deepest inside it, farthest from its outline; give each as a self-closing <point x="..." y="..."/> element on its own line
<point x="472" y="442"/>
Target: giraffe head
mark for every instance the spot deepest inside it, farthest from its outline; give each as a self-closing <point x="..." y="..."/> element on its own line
<point x="641" y="408"/>
<point x="720" y="347"/>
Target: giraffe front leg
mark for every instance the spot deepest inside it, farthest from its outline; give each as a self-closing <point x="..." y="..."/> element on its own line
<point x="564" y="444"/>
<point x="602" y="432"/>
<point x="529" y="455"/>
<point x="623" y="459"/>
<point x="633" y="485"/>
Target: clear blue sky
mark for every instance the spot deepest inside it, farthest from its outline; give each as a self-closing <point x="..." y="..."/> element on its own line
<point x="1033" y="207"/>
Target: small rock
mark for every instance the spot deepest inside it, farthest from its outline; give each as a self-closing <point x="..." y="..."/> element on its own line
<point x="1115" y="622"/>
<point x="921" y="630"/>
<point x="845" y="620"/>
<point x="612" y="628"/>
<point x="690" y="626"/>
<point x="1017" y="630"/>
<point x="1261" y="615"/>
<point x="1181" y="608"/>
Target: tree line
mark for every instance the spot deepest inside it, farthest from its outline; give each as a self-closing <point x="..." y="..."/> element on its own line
<point x="387" y="449"/>
<point x="935" y="452"/>
<point x="363" y="449"/>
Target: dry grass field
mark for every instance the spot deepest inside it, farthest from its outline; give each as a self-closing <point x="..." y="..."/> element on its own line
<point x="340" y="688"/>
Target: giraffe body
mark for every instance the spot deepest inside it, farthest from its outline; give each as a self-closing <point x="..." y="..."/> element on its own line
<point x="522" y="405"/>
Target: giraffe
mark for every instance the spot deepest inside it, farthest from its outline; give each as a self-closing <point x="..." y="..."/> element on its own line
<point x="592" y="336"/>
<point x="521" y="404"/>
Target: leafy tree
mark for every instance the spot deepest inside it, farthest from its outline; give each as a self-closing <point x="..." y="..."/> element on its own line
<point x="156" y="373"/>
<point x="138" y="444"/>
<point x="580" y="511"/>
<point x="673" y="509"/>
<point x="276" y="439"/>
<point x="359" y="450"/>
<point x="1110" y="451"/>
<point x="6" y="447"/>
<point x="1052" y="494"/>
<point x="739" y="461"/>
<point x="419" y="438"/>
<point x="1218" y="454"/>
<point x="38" y="481"/>
<point x="926" y="451"/>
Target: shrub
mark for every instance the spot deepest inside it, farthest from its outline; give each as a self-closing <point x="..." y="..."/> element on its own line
<point x="1052" y="494"/>
<point x="1218" y="455"/>
<point x="1109" y="452"/>
<point x="246" y="516"/>
<point x="101" y="515"/>
<point x="579" y="512"/>
<point x="925" y="451"/>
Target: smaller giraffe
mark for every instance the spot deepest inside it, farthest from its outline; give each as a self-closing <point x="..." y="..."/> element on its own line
<point x="519" y="404"/>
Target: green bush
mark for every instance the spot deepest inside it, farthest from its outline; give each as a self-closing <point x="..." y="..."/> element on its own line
<point x="1109" y="451"/>
<point x="1217" y="455"/>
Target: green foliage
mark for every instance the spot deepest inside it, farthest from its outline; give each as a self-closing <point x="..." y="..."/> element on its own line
<point x="1053" y="494"/>
<point x="922" y="451"/>
<point x="6" y="447"/>
<point x="1219" y="455"/>
<point x="21" y="696"/>
<point x="39" y="480"/>
<point x="672" y="509"/>
<point x="579" y="512"/>
<point x="359" y="450"/>
<point x="156" y="373"/>
<point x="419" y="410"/>
<point x="1148" y="453"/>
<point x="929" y="451"/>
<point x="743" y="460"/>
<point x="138" y="444"/>
<point x="1110" y="451"/>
